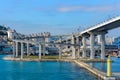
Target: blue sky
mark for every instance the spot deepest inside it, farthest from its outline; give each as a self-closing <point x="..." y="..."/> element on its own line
<point x="56" y="16"/>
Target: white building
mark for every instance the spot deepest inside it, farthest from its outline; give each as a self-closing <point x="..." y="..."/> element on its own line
<point x="108" y="40"/>
<point x="11" y="34"/>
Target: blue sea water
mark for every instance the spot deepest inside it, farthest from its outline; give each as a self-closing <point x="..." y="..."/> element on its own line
<point x="103" y="66"/>
<point x="17" y="70"/>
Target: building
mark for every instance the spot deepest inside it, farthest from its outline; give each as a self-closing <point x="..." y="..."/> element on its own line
<point x="109" y="40"/>
<point x="117" y="42"/>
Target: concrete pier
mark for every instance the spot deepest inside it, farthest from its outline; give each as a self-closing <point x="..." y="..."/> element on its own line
<point x="78" y="47"/>
<point x="78" y="53"/>
<point x="27" y="48"/>
<point x="73" y="47"/>
<point x="13" y="49"/>
<point x="92" y="51"/>
<point x="16" y="49"/>
<point x="21" y="50"/>
<point x="60" y="52"/>
<point x="100" y="74"/>
<point x="60" y="48"/>
<point x="39" y="51"/>
<point x="103" y="46"/>
<point x="43" y="46"/>
<point x="84" y="46"/>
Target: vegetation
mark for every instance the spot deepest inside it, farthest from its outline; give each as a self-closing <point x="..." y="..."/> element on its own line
<point x="32" y="57"/>
<point x="50" y="57"/>
<point x="43" y="57"/>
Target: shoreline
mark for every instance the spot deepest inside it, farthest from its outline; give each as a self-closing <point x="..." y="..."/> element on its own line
<point x="29" y="59"/>
<point x="101" y="75"/>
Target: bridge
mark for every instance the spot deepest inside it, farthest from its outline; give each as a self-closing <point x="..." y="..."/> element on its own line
<point x="99" y="29"/>
<point x="77" y="42"/>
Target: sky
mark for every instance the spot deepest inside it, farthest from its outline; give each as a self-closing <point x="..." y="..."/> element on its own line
<point x="57" y="16"/>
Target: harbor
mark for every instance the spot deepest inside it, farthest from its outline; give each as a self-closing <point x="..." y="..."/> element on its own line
<point x="59" y="40"/>
<point x="97" y="71"/>
<point x="66" y="48"/>
<point x="42" y="70"/>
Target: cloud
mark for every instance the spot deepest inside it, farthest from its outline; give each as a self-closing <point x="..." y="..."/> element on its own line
<point x="73" y="8"/>
<point x="88" y="8"/>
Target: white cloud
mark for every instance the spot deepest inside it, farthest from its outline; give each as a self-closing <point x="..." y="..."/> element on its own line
<point x="70" y="8"/>
<point x="88" y="8"/>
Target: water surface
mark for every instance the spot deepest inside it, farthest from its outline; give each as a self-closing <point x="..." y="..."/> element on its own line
<point x="16" y="70"/>
<point x="103" y="66"/>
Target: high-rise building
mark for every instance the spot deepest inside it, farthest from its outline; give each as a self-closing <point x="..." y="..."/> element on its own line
<point x="117" y="42"/>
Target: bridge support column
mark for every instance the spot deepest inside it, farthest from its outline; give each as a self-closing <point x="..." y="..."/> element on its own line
<point x="43" y="50"/>
<point x="43" y="47"/>
<point x="39" y="51"/>
<point x="73" y="47"/>
<point x="16" y="49"/>
<point x="78" y="48"/>
<point x="78" y="55"/>
<point x="47" y="36"/>
<point x="13" y="49"/>
<point x="21" y="50"/>
<point x="84" y="46"/>
<point x="102" y="46"/>
<point x="60" y="48"/>
<point x="27" y="48"/>
<point x="46" y="40"/>
<point x="92" y="50"/>
<point x="66" y="46"/>
<point x="60" y="52"/>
